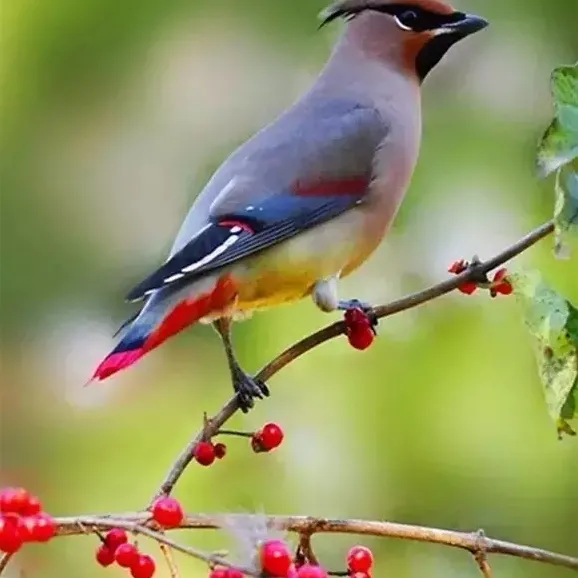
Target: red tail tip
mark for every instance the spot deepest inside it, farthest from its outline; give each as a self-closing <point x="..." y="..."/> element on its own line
<point x="115" y="362"/>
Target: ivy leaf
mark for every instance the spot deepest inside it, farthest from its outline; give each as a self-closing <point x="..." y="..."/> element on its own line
<point x="559" y="145"/>
<point x="558" y="152"/>
<point x="566" y="207"/>
<point x="553" y="322"/>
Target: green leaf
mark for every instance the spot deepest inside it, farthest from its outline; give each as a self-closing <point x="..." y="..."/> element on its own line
<point x="558" y="151"/>
<point x="559" y="145"/>
<point x="566" y="206"/>
<point x="553" y="322"/>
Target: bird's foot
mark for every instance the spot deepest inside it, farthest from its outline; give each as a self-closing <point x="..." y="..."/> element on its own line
<point x="247" y="389"/>
<point x="354" y="304"/>
<point x="350" y="304"/>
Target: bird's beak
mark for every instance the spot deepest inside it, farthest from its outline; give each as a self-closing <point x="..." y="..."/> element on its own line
<point x="469" y="24"/>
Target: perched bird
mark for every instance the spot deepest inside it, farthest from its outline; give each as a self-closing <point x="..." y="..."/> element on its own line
<point x="308" y="198"/>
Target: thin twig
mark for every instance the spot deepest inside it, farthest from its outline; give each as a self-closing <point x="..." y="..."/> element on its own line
<point x="193" y="552"/>
<point x="306" y="549"/>
<point x="473" y="542"/>
<point x="484" y="566"/>
<point x="232" y="432"/>
<point x="4" y="561"/>
<point x="213" y="425"/>
<point x="137" y="524"/>
<point x="480" y="556"/>
<point x="168" y="555"/>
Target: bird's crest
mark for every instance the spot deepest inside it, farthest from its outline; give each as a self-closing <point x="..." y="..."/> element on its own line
<point x="348" y="9"/>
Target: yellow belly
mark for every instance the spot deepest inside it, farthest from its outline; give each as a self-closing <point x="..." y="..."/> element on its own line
<point x="288" y="272"/>
<point x="273" y="288"/>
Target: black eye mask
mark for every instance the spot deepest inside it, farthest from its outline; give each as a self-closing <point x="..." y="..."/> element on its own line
<point x="414" y="17"/>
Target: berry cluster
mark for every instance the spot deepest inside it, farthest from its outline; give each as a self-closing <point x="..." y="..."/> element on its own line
<point x="276" y="561"/>
<point x="265" y="439"/>
<point x="499" y="285"/>
<point x="206" y="452"/>
<point x="359" y="328"/>
<point x="22" y="520"/>
<point x="115" y="547"/>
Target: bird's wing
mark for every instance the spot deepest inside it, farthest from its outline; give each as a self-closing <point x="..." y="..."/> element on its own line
<point x="293" y="182"/>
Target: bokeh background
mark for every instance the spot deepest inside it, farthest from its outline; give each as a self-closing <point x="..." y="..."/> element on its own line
<point x="114" y="114"/>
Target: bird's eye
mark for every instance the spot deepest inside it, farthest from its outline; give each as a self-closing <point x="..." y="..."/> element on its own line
<point x="406" y="20"/>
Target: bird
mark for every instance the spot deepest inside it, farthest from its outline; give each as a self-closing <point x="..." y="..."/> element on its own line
<point x="307" y="199"/>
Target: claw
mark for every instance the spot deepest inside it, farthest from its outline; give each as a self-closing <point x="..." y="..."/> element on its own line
<point x="354" y="304"/>
<point x="365" y="307"/>
<point x="248" y="388"/>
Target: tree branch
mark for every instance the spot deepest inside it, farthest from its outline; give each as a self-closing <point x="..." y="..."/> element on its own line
<point x="480" y="556"/>
<point x="168" y="556"/>
<point x="338" y="328"/>
<point x="137" y="524"/>
<point x="4" y="561"/>
<point x="305" y="548"/>
<point x="476" y="542"/>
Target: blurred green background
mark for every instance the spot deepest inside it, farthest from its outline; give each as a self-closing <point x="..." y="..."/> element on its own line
<point x="113" y="116"/>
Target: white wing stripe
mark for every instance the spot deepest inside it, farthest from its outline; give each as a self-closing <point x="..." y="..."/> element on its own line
<point x="174" y="277"/>
<point x="212" y="255"/>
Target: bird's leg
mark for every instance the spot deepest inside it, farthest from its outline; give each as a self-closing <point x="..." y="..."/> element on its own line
<point x="246" y="387"/>
<point x="346" y="305"/>
<point x="326" y="298"/>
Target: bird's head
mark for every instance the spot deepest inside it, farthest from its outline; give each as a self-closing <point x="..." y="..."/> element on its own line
<point x="424" y="29"/>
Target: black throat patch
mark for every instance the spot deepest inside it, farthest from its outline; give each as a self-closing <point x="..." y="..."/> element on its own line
<point x="433" y="52"/>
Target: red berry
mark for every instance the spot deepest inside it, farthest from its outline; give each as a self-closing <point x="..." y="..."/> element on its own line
<point x="358" y="328"/>
<point x="256" y="443"/>
<point x="11" y="534"/>
<point x="33" y="507"/>
<point x="220" y="451"/>
<point x="42" y="528"/>
<point x="144" y="567"/>
<point x="458" y="267"/>
<point x="126" y="555"/>
<point x="468" y="287"/>
<point x="104" y="556"/>
<point x="360" y="337"/>
<point x="360" y="575"/>
<point x="355" y="316"/>
<point x="27" y="527"/>
<point x="500" y="283"/>
<point x="234" y="573"/>
<point x="359" y="559"/>
<point x="14" y="520"/>
<point x="500" y="274"/>
<point x="275" y="558"/>
<point x="311" y="571"/>
<point x="205" y="453"/>
<point x="114" y="538"/>
<point x="14" y="500"/>
<point x="168" y="512"/>
<point x="270" y="436"/>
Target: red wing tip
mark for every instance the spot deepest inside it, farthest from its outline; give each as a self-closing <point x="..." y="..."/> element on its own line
<point x="115" y="362"/>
